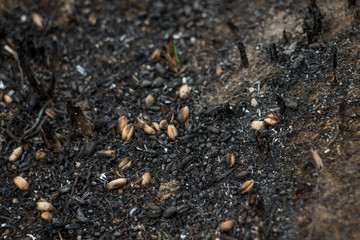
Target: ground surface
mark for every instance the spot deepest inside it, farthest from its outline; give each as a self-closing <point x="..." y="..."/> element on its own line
<point x="98" y="54"/>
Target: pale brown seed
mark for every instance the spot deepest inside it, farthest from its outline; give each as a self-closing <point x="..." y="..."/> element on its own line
<point x="232" y="159"/>
<point x="317" y="158"/>
<point x="247" y="186"/>
<point x="148" y="129"/>
<point x="50" y="113"/>
<point x="183" y="114"/>
<point x="106" y="153"/>
<point x="226" y="226"/>
<point x="172" y="131"/>
<point x="92" y="19"/>
<point x="257" y="125"/>
<point x="270" y="121"/>
<point x="146" y="177"/>
<point x="38" y="20"/>
<point x="8" y="98"/>
<point x="121" y="123"/>
<point x="156" y="126"/>
<point x="184" y="91"/>
<point x="21" y="183"/>
<point x="44" y="206"/>
<point x="163" y="124"/>
<point x="218" y="70"/>
<point x="16" y="154"/>
<point x="125" y="164"/>
<point x="155" y="57"/>
<point x="58" y="136"/>
<point x="149" y="101"/>
<point x="127" y="132"/>
<point x="114" y="184"/>
<point x="272" y="116"/>
<point x="40" y="155"/>
<point x="47" y="216"/>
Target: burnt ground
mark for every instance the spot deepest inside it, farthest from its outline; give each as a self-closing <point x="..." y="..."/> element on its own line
<point x="97" y="55"/>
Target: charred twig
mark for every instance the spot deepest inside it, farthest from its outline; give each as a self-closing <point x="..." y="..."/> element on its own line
<point x="222" y="176"/>
<point x="244" y="59"/>
<point x="351" y="3"/>
<point x="72" y="192"/>
<point x="11" y="135"/>
<point x="335" y="136"/>
<point x="36" y="124"/>
<point x="285" y="37"/>
<point x="273" y="52"/>
<point x="15" y="55"/>
<point x="334" y="63"/>
<point x="234" y="29"/>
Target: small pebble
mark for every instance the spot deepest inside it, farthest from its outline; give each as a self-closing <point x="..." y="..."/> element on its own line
<point x="145" y="83"/>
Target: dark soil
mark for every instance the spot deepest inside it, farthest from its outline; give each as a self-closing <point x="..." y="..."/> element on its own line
<point x="90" y="63"/>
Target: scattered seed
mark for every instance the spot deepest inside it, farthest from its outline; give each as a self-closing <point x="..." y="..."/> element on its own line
<point x="156" y="126"/>
<point x="77" y="165"/>
<point x="21" y="183"/>
<point x="146" y="177"/>
<point x="40" y="155"/>
<point x="257" y="125"/>
<point x="226" y="226"/>
<point x="183" y="114"/>
<point x="121" y="123"/>
<point x="148" y="129"/>
<point x="125" y="164"/>
<point x="218" y="70"/>
<point x="184" y="91"/>
<point x="155" y="57"/>
<point x="47" y="216"/>
<point x="8" y="98"/>
<point x="317" y="158"/>
<point x="270" y="121"/>
<point x="50" y="113"/>
<point x="127" y="132"/>
<point x="44" y="206"/>
<point x="114" y="184"/>
<point x="149" y="101"/>
<point x="272" y="116"/>
<point x="92" y="19"/>
<point x="38" y="20"/>
<point x="172" y="131"/>
<point x="247" y="186"/>
<point x="16" y="154"/>
<point x="231" y="159"/>
<point x="106" y="153"/>
<point x="163" y="124"/>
